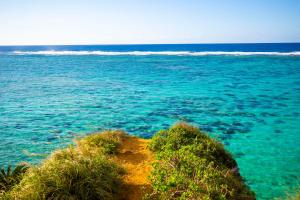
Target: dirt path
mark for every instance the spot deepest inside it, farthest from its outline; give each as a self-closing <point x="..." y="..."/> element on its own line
<point x="135" y="157"/>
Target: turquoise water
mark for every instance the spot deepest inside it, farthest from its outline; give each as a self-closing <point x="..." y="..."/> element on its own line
<point x="251" y="103"/>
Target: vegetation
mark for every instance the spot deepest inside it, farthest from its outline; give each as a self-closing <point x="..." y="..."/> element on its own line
<point x="81" y="172"/>
<point x="11" y="176"/>
<point x="106" y="142"/>
<point x="188" y="165"/>
<point x="191" y="165"/>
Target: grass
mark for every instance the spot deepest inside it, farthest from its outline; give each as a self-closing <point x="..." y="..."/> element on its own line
<point x="191" y="165"/>
<point x="188" y="165"/>
<point x="81" y="172"/>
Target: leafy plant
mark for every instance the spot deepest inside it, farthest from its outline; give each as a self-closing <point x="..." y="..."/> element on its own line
<point x="11" y="176"/>
<point x="191" y="165"/>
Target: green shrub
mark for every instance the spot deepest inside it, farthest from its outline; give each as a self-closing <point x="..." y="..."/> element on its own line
<point x="191" y="165"/>
<point x="107" y="142"/>
<point x="82" y="172"/>
<point x="11" y="176"/>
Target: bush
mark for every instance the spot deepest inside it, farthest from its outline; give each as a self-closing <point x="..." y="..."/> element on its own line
<point x="11" y="176"/>
<point x="191" y="165"/>
<point x="107" y="142"/>
<point x="82" y="172"/>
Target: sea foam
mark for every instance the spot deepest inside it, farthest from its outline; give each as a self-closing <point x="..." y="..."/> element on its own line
<point x="146" y="53"/>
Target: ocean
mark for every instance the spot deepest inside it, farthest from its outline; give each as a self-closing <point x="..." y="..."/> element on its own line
<point x="245" y="95"/>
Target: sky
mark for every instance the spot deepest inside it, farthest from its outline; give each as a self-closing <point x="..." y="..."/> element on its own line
<point x="53" y="22"/>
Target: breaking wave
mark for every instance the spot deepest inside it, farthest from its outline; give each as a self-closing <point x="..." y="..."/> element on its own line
<point x="146" y="53"/>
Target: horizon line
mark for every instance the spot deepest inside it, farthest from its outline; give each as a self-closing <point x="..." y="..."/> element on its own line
<point x="127" y="44"/>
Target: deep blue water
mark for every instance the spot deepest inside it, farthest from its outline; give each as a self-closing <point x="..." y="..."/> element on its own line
<point x="250" y="102"/>
<point x="259" y="47"/>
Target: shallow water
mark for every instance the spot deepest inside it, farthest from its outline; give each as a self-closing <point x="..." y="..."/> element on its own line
<point x="251" y="103"/>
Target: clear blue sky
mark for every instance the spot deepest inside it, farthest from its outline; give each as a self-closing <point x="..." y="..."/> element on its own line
<point x="24" y="22"/>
